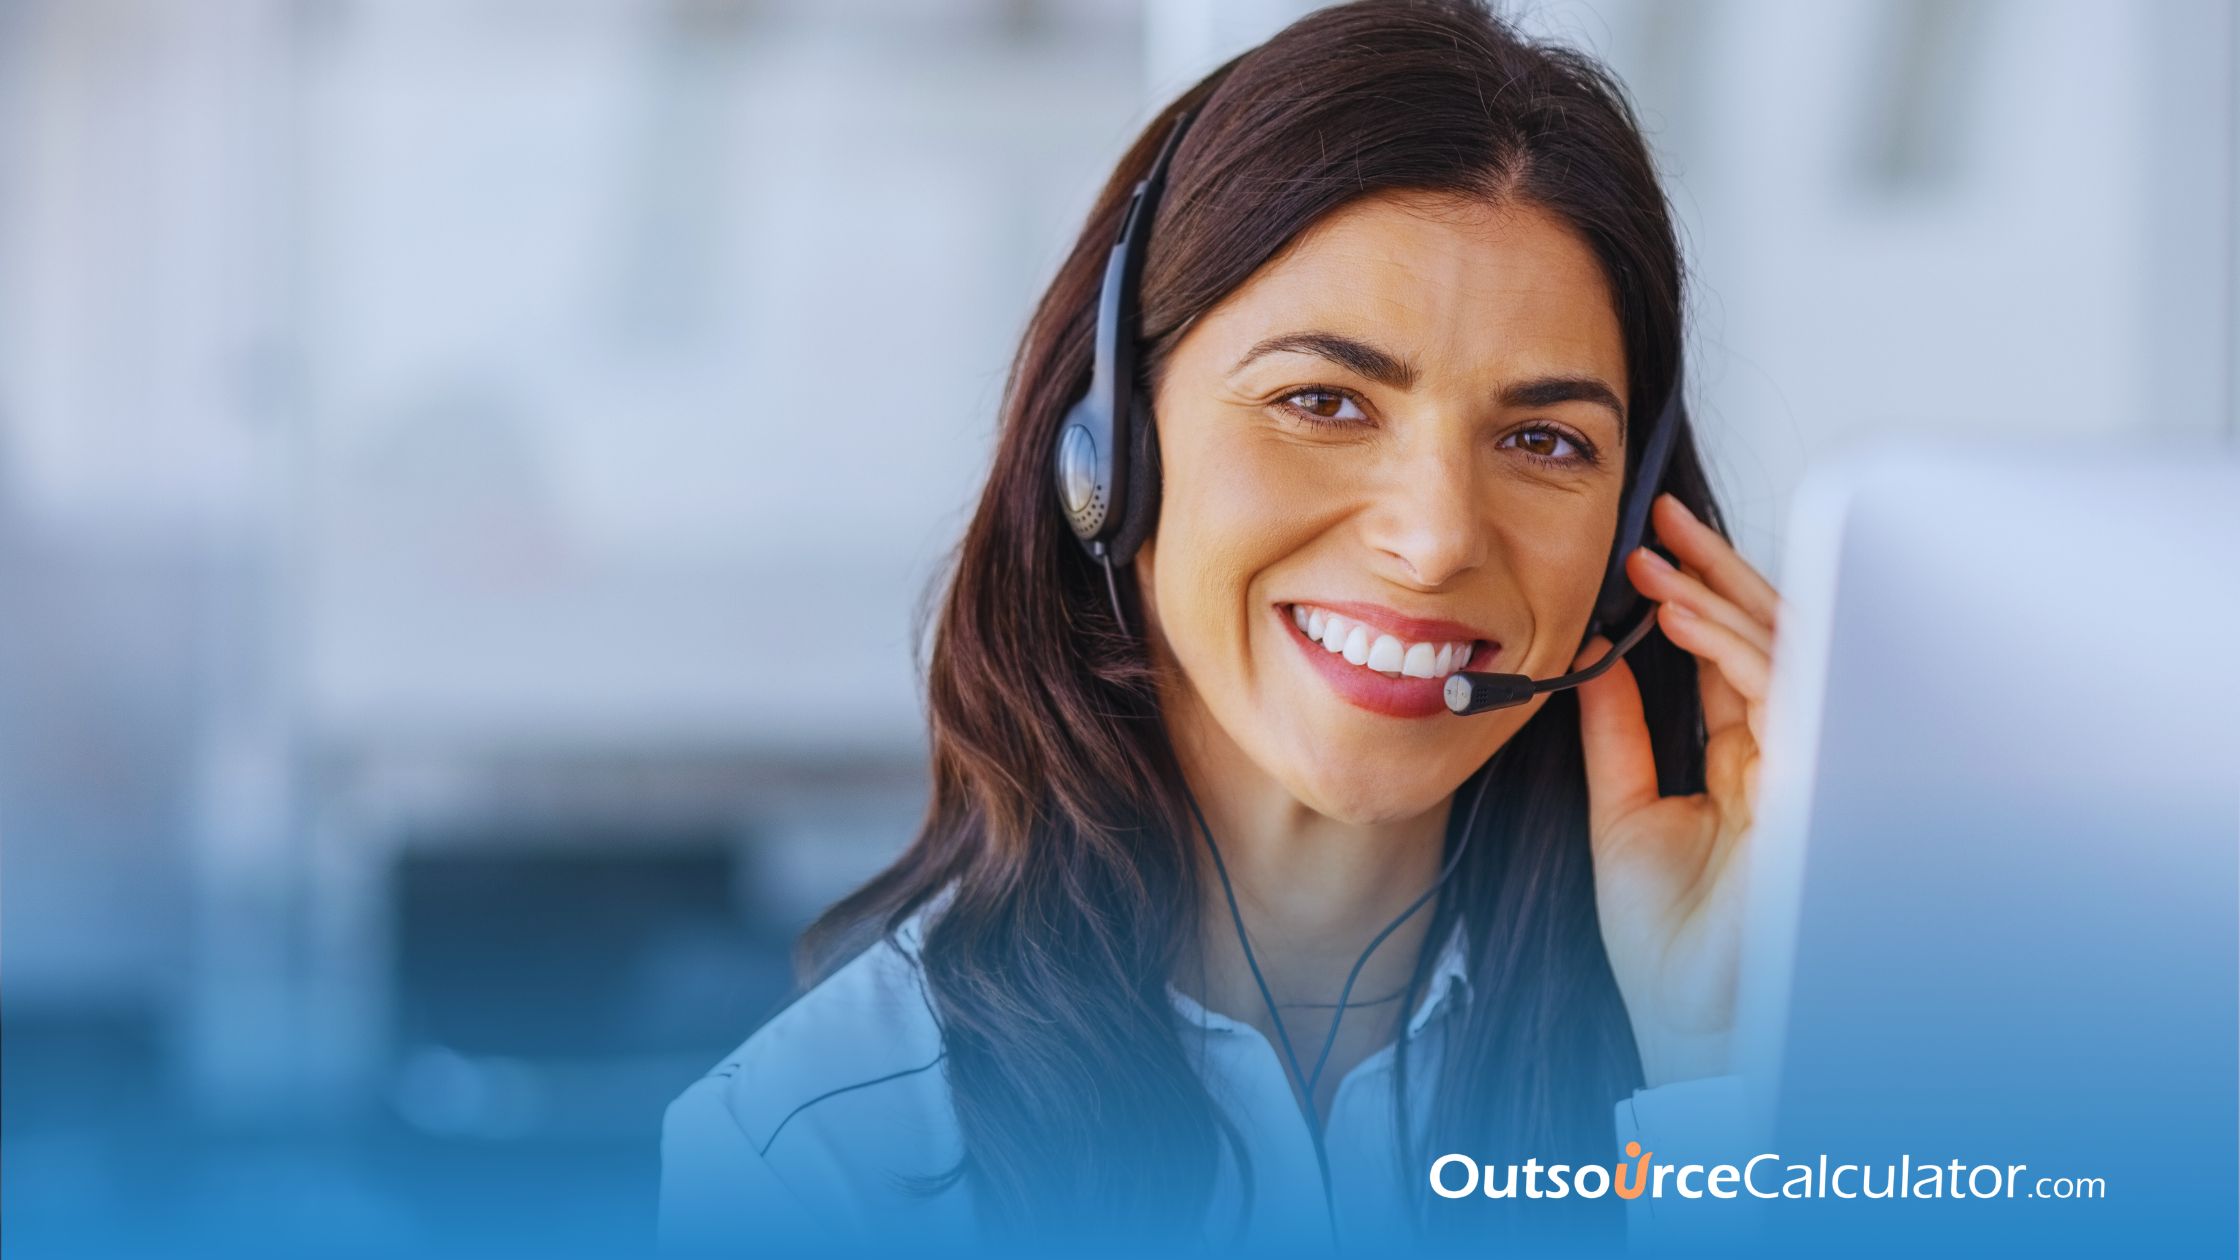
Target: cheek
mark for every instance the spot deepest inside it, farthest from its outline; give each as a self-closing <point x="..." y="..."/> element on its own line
<point x="1226" y="516"/>
<point x="1559" y="552"/>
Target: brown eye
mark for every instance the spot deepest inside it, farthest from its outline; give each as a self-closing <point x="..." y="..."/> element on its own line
<point x="1324" y="405"/>
<point x="1544" y="443"/>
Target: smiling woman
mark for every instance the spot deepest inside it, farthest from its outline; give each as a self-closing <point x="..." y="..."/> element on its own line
<point x="1430" y="449"/>
<point x="1408" y="291"/>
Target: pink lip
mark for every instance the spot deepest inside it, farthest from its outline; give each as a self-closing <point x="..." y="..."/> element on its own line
<point x="1366" y="688"/>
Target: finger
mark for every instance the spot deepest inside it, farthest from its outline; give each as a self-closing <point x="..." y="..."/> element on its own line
<point x="1654" y="576"/>
<point x="1722" y="566"/>
<point x="1730" y="778"/>
<point x="1723" y="706"/>
<point x="1614" y="736"/>
<point x="1745" y="667"/>
<point x="1729" y="759"/>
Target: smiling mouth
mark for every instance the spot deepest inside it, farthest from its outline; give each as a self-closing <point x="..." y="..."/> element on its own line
<point x="1378" y="652"/>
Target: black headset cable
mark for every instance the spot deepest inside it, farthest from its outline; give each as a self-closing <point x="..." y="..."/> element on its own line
<point x="1305" y="1082"/>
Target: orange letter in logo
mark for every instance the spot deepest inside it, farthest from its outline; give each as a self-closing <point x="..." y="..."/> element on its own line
<point x="1640" y="1172"/>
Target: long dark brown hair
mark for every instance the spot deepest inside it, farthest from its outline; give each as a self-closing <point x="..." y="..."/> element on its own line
<point x="1056" y="823"/>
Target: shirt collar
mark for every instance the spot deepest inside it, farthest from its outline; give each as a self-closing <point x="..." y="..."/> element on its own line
<point x="1449" y="983"/>
<point x="1450" y="978"/>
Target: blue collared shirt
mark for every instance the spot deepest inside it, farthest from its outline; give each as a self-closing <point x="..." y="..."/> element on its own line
<point x="818" y="1125"/>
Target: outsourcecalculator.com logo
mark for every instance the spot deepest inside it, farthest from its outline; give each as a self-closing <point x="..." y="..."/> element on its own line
<point x="1763" y="1176"/>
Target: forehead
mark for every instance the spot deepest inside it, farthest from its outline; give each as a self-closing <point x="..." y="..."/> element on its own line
<point x="1471" y="292"/>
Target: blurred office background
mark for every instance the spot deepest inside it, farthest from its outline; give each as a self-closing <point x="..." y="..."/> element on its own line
<point x="469" y="470"/>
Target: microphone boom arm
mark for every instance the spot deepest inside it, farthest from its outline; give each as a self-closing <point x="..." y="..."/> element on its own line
<point x="1468" y="693"/>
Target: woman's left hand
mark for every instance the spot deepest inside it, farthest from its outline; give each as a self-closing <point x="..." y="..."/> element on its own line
<point x="1669" y="870"/>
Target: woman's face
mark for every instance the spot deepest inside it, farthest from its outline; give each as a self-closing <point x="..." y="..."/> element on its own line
<point x="1395" y="452"/>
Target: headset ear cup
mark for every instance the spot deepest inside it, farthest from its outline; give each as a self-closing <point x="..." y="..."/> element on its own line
<point x="1612" y="605"/>
<point x="1141" y="511"/>
<point x="1617" y="604"/>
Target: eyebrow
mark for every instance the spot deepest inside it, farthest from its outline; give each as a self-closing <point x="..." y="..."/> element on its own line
<point x="1396" y="372"/>
<point x="1547" y="391"/>
<point x="1352" y="354"/>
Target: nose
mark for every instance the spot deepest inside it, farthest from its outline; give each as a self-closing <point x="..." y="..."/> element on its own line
<point x="1428" y="518"/>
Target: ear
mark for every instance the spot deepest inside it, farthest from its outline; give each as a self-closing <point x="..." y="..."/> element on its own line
<point x="1144" y="476"/>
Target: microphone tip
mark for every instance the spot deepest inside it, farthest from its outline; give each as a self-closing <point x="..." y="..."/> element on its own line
<point x="1457" y="694"/>
<point x="1468" y="693"/>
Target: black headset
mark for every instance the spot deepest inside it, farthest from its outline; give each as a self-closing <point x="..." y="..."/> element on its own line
<point x="1109" y="430"/>
<point x="1106" y="436"/>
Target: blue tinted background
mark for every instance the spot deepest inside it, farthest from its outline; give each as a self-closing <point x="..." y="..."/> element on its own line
<point x="467" y="471"/>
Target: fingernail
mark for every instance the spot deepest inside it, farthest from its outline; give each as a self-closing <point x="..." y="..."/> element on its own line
<point x="1680" y="611"/>
<point x="1655" y="561"/>
<point x="1690" y="512"/>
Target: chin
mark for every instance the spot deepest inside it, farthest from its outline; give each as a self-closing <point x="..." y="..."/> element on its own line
<point x="1363" y="785"/>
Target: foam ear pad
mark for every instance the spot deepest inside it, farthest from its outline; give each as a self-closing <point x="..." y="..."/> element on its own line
<point x="1140" y="514"/>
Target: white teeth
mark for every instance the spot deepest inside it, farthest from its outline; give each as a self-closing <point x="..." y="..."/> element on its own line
<point x="1357" y="645"/>
<point x="1385" y="654"/>
<point x="1420" y="662"/>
